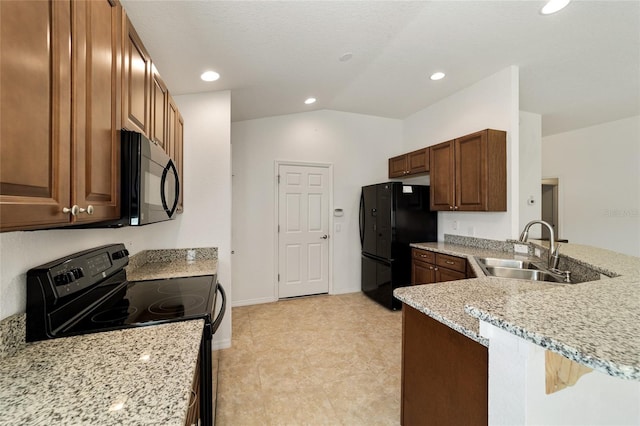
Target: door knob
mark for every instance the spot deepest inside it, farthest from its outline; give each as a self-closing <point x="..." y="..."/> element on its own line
<point x="324" y="237"/>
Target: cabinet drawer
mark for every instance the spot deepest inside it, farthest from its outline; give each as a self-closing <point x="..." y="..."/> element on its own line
<point x="423" y="255"/>
<point x="451" y="262"/>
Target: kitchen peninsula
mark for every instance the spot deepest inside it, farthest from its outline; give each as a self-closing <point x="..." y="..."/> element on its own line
<point x="593" y="324"/>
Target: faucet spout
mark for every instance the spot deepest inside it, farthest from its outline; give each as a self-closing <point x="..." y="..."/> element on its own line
<point x="552" y="248"/>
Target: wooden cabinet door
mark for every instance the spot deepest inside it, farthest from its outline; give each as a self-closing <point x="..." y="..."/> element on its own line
<point x="136" y="92"/>
<point x="96" y="47"/>
<point x="444" y="274"/>
<point x="398" y="166"/>
<point x="159" y="102"/>
<point x="35" y="113"/>
<point x="418" y="161"/>
<point x="175" y="137"/>
<point x="441" y="164"/>
<point x="422" y="273"/>
<point x="471" y="172"/>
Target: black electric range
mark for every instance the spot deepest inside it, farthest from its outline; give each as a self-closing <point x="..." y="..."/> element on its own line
<point x="88" y="292"/>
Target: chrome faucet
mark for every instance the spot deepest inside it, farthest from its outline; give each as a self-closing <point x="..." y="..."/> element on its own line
<point x="552" y="258"/>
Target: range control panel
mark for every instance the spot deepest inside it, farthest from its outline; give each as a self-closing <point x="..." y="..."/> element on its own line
<point x="81" y="270"/>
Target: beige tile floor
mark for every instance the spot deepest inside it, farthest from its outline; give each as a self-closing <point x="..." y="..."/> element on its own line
<point x="319" y="360"/>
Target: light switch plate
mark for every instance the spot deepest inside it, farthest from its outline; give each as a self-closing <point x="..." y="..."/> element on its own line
<point x="521" y="248"/>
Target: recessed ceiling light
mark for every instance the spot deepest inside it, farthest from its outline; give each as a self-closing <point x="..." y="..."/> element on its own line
<point x="553" y="6"/>
<point x="210" y="76"/>
<point x="310" y="101"/>
<point x="437" y="76"/>
<point x="345" y="57"/>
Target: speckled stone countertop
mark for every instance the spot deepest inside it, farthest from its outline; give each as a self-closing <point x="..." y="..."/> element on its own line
<point x="172" y="263"/>
<point x="593" y="323"/>
<point x="76" y="380"/>
<point x="445" y="302"/>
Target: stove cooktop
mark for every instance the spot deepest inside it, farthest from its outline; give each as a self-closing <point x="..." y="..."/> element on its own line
<point x="139" y="303"/>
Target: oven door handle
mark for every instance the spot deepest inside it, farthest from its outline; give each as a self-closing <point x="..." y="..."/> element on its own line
<point x="218" y="320"/>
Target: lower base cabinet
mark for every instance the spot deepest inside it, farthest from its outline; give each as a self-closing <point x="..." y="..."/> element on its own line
<point x="445" y="375"/>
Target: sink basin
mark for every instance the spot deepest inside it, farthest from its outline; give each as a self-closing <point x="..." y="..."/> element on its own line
<point x="505" y="263"/>
<point x="520" y="274"/>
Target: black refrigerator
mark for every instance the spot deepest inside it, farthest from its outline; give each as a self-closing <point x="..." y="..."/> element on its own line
<point x="392" y="215"/>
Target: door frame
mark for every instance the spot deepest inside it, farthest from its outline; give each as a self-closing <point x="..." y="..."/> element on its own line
<point x="276" y="234"/>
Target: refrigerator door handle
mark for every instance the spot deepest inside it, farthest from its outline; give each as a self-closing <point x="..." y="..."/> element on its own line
<point x="361" y="218"/>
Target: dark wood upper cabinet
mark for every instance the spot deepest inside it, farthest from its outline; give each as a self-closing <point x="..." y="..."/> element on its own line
<point x="470" y="173"/>
<point x="35" y="113"/>
<point x="413" y="163"/>
<point x="97" y="45"/>
<point x="159" y="104"/>
<point x="175" y="138"/>
<point x="136" y="88"/>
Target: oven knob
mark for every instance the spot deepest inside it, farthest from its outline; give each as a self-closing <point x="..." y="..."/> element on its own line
<point x="70" y="277"/>
<point x="78" y="273"/>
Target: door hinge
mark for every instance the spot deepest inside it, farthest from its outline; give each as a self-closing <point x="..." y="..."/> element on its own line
<point x="278" y="277"/>
<point x="278" y="178"/>
<point x="278" y="228"/>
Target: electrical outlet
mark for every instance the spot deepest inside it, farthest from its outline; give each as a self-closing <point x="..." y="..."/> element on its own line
<point x="455" y="225"/>
<point x="536" y="252"/>
<point x="191" y="256"/>
<point x="521" y="248"/>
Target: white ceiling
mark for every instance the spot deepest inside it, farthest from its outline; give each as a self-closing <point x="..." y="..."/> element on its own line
<point x="578" y="68"/>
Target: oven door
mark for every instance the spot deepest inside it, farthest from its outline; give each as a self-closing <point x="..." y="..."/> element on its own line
<point x="159" y="187"/>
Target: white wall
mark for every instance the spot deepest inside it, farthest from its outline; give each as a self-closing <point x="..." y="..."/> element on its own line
<point x="530" y="171"/>
<point x="357" y="145"/>
<point x="490" y="103"/>
<point x="205" y="222"/>
<point x="598" y="169"/>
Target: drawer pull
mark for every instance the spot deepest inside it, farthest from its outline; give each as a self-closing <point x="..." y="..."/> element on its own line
<point x="448" y="262"/>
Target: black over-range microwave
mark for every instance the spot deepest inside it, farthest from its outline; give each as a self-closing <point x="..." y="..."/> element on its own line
<point x="149" y="181"/>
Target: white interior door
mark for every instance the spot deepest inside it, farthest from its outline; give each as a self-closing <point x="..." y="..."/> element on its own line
<point x="303" y="223"/>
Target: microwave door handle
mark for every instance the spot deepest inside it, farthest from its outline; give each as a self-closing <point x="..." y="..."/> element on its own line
<point x="163" y="181"/>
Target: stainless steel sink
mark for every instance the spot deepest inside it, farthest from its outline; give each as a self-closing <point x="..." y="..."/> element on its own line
<point x="520" y="274"/>
<point x="516" y="269"/>
<point x="505" y="263"/>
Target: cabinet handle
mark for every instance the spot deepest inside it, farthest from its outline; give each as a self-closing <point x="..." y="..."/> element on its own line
<point x="430" y="267"/>
<point x="423" y="255"/>
<point x="448" y="262"/>
<point x="74" y="210"/>
<point x="455" y="207"/>
<point x="88" y="210"/>
<point x="450" y="207"/>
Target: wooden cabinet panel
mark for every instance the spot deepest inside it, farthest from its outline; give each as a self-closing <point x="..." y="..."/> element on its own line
<point x="136" y="92"/>
<point x="428" y="267"/>
<point x="470" y="173"/>
<point x="451" y="262"/>
<point x="398" y="166"/>
<point x="175" y="138"/>
<point x="159" y="103"/>
<point x="445" y="375"/>
<point x="418" y="161"/>
<point x="413" y="163"/>
<point x="97" y="43"/>
<point x="444" y="274"/>
<point x="35" y="113"/>
<point x="442" y="176"/>
<point x="422" y="273"/>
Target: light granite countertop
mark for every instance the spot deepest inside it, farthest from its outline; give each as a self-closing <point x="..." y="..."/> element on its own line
<point x="172" y="263"/>
<point x="593" y="323"/>
<point x="80" y="380"/>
